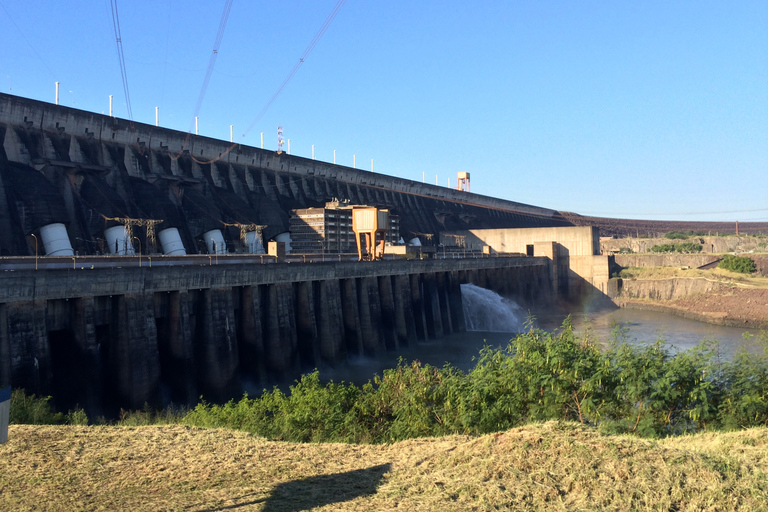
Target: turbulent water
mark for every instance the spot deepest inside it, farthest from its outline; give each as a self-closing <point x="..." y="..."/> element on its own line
<point x="487" y="311"/>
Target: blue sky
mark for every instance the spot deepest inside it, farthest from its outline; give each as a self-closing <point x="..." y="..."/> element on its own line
<point x="654" y="109"/>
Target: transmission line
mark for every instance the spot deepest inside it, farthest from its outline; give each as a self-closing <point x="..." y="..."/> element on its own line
<point x="212" y="60"/>
<point x="296" y="67"/>
<point x="120" y="55"/>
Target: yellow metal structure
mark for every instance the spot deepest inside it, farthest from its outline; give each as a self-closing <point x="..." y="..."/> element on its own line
<point x="368" y="222"/>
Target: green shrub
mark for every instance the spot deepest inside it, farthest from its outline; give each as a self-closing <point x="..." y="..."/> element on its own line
<point x="741" y="264"/>
<point x="686" y="247"/>
<point x="682" y="235"/>
<point x="32" y="410"/>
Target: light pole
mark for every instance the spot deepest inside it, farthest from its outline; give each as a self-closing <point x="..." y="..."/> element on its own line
<point x="33" y="236"/>
<point x="139" y="242"/>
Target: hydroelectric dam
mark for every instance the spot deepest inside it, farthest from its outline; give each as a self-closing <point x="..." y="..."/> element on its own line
<point x="131" y="274"/>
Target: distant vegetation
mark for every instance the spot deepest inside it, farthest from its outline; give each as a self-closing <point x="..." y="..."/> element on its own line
<point x="539" y="376"/>
<point x="741" y="264"/>
<point x="685" y="247"/>
<point x="682" y="235"/>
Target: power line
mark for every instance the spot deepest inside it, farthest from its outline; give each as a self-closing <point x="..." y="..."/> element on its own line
<point x="296" y="67"/>
<point x="121" y="56"/>
<point x="212" y="60"/>
<point x="21" y="32"/>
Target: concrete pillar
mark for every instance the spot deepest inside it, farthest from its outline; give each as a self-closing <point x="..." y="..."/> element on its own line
<point x="330" y="321"/>
<point x="388" y="319"/>
<point x="442" y="294"/>
<point x="455" y="303"/>
<point x="432" y="307"/>
<point x="405" y="324"/>
<point x="84" y="330"/>
<point x="250" y="335"/>
<point x="5" y="349"/>
<point x="370" y="315"/>
<point x="177" y="354"/>
<point x="134" y="361"/>
<point x="280" y="342"/>
<point x="306" y="324"/>
<point x="216" y="351"/>
<point x="417" y="306"/>
<point x="28" y="346"/>
<point x="351" y="314"/>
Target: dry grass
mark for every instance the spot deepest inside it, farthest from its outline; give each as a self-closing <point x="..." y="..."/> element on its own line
<point x="553" y="466"/>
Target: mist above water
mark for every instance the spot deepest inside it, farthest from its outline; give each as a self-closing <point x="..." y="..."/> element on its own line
<point x="485" y="310"/>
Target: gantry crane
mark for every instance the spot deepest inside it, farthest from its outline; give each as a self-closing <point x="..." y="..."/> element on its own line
<point x="147" y="223"/>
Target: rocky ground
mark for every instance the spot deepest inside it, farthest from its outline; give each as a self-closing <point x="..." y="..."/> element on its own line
<point x="738" y="307"/>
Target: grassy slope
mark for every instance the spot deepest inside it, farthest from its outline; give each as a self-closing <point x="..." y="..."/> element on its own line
<point x="552" y="466"/>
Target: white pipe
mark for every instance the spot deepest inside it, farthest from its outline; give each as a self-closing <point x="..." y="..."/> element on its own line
<point x="334" y="157"/>
<point x="117" y="241"/>
<point x="214" y="241"/>
<point x="313" y="151"/>
<point x="197" y="132"/>
<point x="157" y="116"/>
<point x="110" y="106"/>
<point x="57" y="93"/>
<point x="354" y="161"/>
<point x="289" y="146"/>
<point x="56" y="240"/>
<point x="231" y="133"/>
<point x="171" y="243"/>
<point x="371" y="164"/>
<point x="262" y="140"/>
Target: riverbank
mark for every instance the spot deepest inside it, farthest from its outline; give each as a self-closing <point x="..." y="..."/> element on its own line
<point x="555" y="465"/>
<point x="713" y="296"/>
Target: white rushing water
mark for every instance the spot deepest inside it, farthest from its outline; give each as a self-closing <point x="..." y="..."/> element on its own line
<point x="488" y="311"/>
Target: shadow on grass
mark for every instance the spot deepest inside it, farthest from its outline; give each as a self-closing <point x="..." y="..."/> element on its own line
<point x="318" y="491"/>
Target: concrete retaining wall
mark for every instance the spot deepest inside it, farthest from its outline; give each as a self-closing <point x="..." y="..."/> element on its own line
<point x="665" y="289"/>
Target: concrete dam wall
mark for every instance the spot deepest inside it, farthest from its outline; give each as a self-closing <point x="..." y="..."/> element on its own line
<point x="71" y="172"/>
<point x="106" y="338"/>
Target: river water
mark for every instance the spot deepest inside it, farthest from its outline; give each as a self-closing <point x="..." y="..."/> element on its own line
<point x="492" y="320"/>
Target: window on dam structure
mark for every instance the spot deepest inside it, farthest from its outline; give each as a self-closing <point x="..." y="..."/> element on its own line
<point x="529" y="250"/>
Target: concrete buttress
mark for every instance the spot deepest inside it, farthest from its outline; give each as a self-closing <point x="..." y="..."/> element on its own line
<point x="417" y="306"/>
<point x="330" y="321"/>
<point x="370" y="315"/>
<point x="405" y="325"/>
<point x="388" y="317"/>
<point x="351" y="313"/>
<point x="216" y="352"/>
<point x="134" y="361"/>
<point x="306" y="324"/>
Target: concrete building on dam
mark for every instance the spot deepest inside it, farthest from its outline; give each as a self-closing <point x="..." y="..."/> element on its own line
<point x="101" y="328"/>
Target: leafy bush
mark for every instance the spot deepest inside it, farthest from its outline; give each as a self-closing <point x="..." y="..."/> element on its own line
<point x="32" y="410"/>
<point x="741" y="264"/>
<point x="539" y="376"/>
<point x="685" y="247"/>
<point x="682" y="235"/>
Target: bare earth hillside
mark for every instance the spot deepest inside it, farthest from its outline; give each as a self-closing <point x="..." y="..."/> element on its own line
<point x="553" y="466"/>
